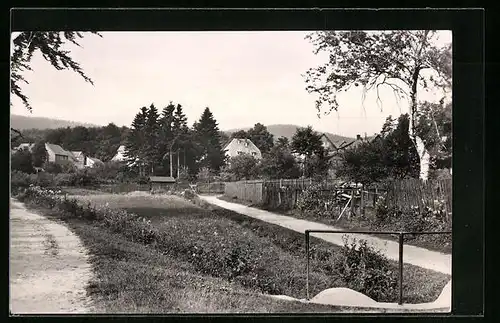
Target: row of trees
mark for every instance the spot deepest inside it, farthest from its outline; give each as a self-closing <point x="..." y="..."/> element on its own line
<point x="163" y="143"/>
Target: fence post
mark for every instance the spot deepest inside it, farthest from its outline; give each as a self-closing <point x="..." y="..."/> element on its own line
<point x="401" y="235"/>
<point x="362" y="200"/>
<point x="307" y="264"/>
<point x="352" y="202"/>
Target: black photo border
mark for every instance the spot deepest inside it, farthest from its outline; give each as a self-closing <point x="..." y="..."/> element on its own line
<point x="467" y="26"/>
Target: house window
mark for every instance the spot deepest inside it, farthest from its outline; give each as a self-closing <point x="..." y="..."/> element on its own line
<point x="61" y="158"/>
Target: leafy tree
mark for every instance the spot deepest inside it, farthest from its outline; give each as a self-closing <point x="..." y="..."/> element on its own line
<point x="434" y="125"/>
<point x="207" y="135"/>
<point x="262" y="138"/>
<point x="57" y="136"/>
<point x="280" y="163"/>
<point x="392" y="155"/>
<point x="283" y="142"/>
<point x="240" y="134"/>
<point x="307" y="143"/>
<point x="51" y="46"/>
<point x="243" y="167"/>
<point x="22" y="161"/>
<point x="108" y="141"/>
<point x="395" y="59"/>
<point x="401" y="157"/>
<point x="39" y="154"/>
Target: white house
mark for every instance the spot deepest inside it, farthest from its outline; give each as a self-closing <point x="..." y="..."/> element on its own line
<point x="93" y="162"/>
<point x="120" y="154"/>
<point x="242" y="146"/>
<point x="23" y="146"/>
<point x="81" y="159"/>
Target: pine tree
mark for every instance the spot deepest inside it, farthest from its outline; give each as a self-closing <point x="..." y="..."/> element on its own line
<point x="134" y="145"/>
<point x="207" y="134"/>
<point x="181" y="138"/>
<point x="152" y="134"/>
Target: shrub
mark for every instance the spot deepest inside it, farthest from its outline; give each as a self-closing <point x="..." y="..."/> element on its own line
<point x="365" y="269"/>
<point x="63" y="179"/>
<point x="313" y="202"/>
<point x="84" y="177"/>
<point x="19" y="179"/>
<point x="42" y="179"/>
<point x="53" y="168"/>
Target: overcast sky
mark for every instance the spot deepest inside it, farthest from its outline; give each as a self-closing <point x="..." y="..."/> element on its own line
<point x="243" y="77"/>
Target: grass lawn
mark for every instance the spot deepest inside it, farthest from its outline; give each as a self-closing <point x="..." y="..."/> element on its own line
<point x="277" y="254"/>
<point x="431" y="242"/>
<point x="132" y="278"/>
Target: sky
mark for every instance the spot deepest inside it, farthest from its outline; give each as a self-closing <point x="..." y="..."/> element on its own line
<point x="243" y="77"/>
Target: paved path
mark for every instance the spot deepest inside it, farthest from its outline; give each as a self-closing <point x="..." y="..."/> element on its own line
<point x="420" y="257"/>
<point x="48" y="266"/>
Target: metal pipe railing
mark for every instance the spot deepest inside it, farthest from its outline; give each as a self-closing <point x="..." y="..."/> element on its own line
<point x="400" y="258"/>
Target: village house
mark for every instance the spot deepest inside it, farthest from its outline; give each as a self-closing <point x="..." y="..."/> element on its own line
<point x="242" y="146"/>
<point x="83" y="161"/>
<point x="120" y="154"/>
<point x="56" y="154"/>
<point x="23" y="146"/>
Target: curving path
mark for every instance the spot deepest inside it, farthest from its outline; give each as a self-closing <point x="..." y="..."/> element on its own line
<point x="48" y="266"/>
<point x="417" y="256"/>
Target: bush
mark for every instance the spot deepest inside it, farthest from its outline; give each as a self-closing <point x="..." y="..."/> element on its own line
<point x="64" y="179"/>
<point x="53" y="168"/>
<point x="19" y="179"/>
<point x="42" y="179"/>
<point x="313" y="202"/>
<point x="365" y="269"/>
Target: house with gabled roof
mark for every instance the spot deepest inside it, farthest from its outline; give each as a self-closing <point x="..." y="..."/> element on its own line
<point x="120" y="154"/>
<point x="56" y="154"/>
<point x="242" y="146"/>
<point x="23" y="146"/>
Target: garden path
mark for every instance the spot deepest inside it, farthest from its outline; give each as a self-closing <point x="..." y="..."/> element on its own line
<point x="49" y="267"/>
<point x="417" y="256"/>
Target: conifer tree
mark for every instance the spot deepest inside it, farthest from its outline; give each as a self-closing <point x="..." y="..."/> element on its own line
<point x="207" y="134"/>
<point x="134" y="145"/>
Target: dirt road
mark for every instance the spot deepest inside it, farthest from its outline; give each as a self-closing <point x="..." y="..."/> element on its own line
<point x="412" y="255"/>
<point x="49" y="268"/>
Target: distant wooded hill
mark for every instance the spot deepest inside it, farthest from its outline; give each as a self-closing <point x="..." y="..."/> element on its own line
<point x="23" y="122"/>
<point x="288" y="130"/>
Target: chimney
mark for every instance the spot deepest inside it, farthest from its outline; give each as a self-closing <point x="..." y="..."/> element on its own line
<point x="358" y="137"/>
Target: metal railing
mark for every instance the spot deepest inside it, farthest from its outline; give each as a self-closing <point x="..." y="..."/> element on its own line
<point x="400" y="242"/>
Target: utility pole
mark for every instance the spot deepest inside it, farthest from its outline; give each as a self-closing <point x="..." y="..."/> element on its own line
<point x="171" y="162"/>
<point x="171" y="157"/>
<point x="178" y="163"/>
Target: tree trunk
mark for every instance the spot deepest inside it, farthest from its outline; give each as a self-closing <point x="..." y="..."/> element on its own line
<point x="171" y="163"/>
<point x="422" y="151"/>
<point x="178" y="163"/>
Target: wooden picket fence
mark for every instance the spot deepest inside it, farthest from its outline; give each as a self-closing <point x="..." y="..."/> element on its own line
<point x="210" y="187"/>
<point x="408" y="193"/>
<point x="249" y="191"/>
<point x="284" y="194"/>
